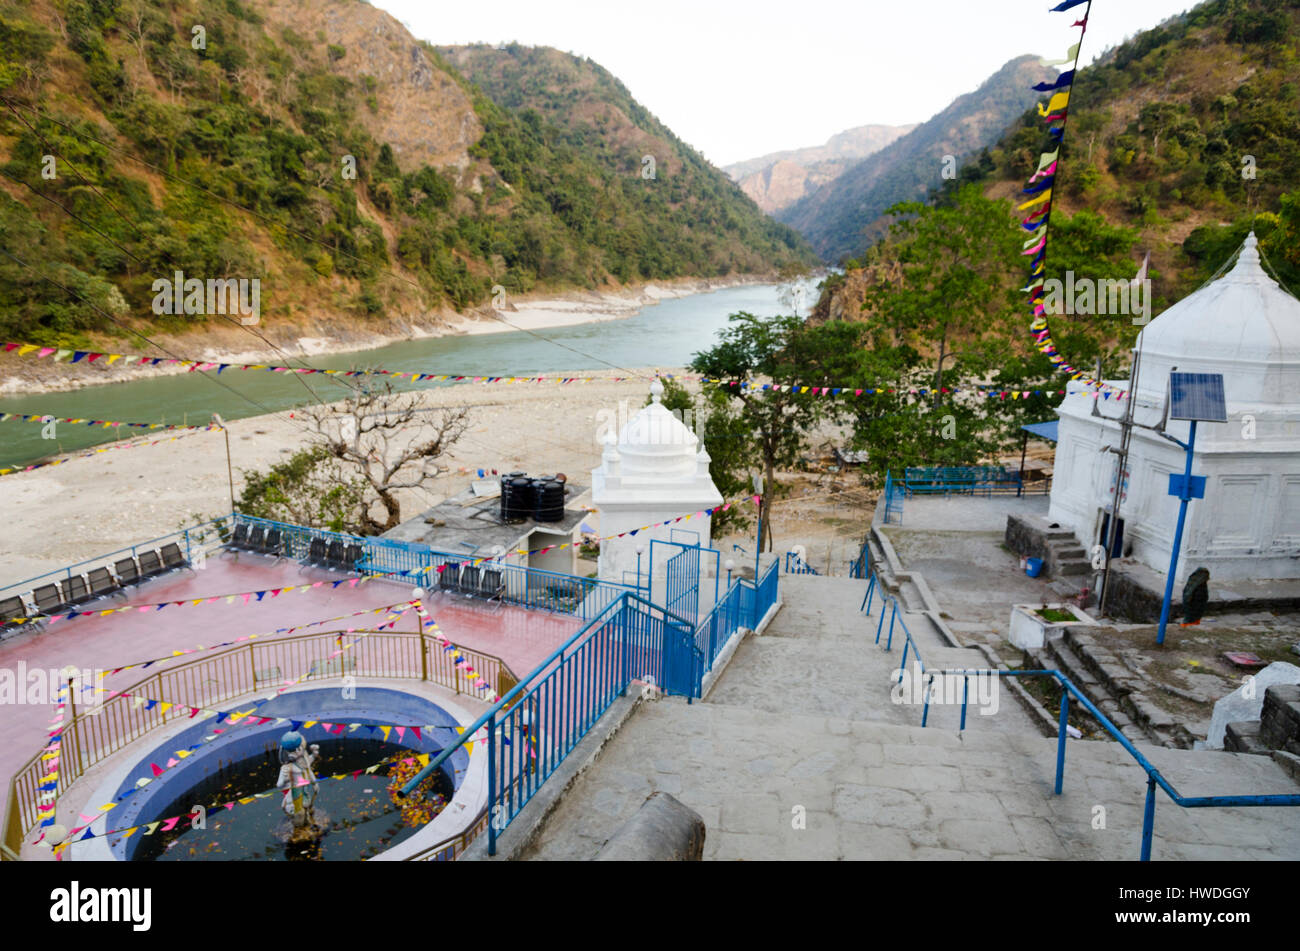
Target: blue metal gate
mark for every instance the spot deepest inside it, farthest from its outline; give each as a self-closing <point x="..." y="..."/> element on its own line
<point x="684" y="584"/>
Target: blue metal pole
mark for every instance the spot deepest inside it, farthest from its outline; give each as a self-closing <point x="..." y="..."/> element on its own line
<point x="758" y="547"/>
<point x="492" y="784"/>
<point x="925" y="711"/>
<point x="871" y="590"/>
<point x="889" y="644"/>
<point x="1184" y="497"/>
<point x="965" y="694"/>
<point x="1149" y="816"/>
<point x="881" y="623"/>
<point x="1060" y="739"/>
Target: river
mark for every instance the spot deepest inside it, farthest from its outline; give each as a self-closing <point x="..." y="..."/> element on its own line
<point x="666" y="334"/>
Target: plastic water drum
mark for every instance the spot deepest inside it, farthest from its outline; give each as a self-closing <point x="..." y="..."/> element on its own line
<point x="1033" y="567"/>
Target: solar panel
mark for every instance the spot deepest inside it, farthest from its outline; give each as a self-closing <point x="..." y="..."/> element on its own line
<point x="1197" y="396"/>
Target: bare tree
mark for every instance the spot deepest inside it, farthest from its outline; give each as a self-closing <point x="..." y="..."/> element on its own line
<point x="386" y="438"/>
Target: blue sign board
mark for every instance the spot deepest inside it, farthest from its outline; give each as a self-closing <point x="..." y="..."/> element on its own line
<point x="1196" y="489"/>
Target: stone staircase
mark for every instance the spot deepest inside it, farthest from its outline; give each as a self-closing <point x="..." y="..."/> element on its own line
<point x="799" y="753"/>
<point x="1116" y="690"/>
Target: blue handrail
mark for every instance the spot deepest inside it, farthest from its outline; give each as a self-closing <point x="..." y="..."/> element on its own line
<point x="1154" y="777"/>
<point x="182" y="535"/>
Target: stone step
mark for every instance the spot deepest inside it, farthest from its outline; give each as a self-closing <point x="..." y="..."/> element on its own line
<point x="884" y="791"/>
<point x="1069" y="554"/>
<point x="1071" y="567"/>
<point x="1243" y="737"/>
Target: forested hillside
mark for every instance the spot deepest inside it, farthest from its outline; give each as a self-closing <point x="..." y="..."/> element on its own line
<point x="316" y="146"/>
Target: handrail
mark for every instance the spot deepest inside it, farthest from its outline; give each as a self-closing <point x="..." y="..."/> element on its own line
<point x="1154" y="776"/>
<point x="66" y="571"/>
<point x="505" y="701"/>
<point x="13" y="831"/>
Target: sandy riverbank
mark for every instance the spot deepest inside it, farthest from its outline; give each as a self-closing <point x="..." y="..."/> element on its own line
<point x="224" y="343"/>
<point x="63" y="514"/>
<point x="89" y="506"/>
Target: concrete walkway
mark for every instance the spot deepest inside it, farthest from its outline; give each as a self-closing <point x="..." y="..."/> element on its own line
<point x="875" y="791"/>
<point x="799" y="754"/>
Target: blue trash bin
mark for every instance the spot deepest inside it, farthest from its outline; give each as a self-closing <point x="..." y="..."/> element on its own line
<point x="1033" y="567"/>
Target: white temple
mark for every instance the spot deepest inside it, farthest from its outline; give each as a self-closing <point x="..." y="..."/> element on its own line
<point x="1246" y="327"/>
<point x="654" y="470"/>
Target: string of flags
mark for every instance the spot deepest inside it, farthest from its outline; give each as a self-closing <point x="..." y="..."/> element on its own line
<point x="59" y="355"/>
<point x="457" y="658"/>
<point x="194" y="431"/>
<point x="101" y="423"/>
<point x="76" y="356"/>
<point x="49" y="814"/>
<point x="167" y="825"/>
<point x="846" y="391"/>
<point x="246" y="596"/>
<point x="247" y="717"/>
<point x="476" y="562"/>
<point x="1055" y="114"/>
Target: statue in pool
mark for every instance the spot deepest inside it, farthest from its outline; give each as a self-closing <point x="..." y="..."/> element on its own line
<point x="298" y="780"/>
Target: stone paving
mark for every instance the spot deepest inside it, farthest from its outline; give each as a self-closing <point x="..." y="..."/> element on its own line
<point x="801" y="724"/>
<point x="877" y="791"/>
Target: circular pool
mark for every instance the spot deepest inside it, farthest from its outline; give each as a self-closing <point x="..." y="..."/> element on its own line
<point x="231" y="778"/>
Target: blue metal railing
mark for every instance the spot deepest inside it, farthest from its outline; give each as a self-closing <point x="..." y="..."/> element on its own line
<point x="893" y="501"/>
<point x="859" y="566"/>
<point x="531" y="587"/>
<point x="538" y="723"/>
<point x="190" y="539"/>
<point x="1154" y="778"/>
<point x="796" y="565"/>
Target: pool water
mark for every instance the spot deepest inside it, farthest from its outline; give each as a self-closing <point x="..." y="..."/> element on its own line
<point x="357" y="815"/>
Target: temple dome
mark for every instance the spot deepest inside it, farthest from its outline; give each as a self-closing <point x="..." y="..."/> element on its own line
<point x="1244" y="325"/>
<point x="656" y="445"/>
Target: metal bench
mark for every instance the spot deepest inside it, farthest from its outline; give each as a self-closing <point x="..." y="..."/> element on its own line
<point x="10" y="610"/>
<point x="48" y="599"/>
<point x="334" y="555"/>
<point x="257" y="538"/>
<point x="469" y="576"/>
<point x="274" y="544"/>
<point x="150" y="565"/>
<point x="102" y="582"/>
<point x="316" y="552"/>
<point x="172" y="557"/>
<point x="75" y="590"/>
<point x="449" y="578"/>
<point x="492" y="585"/>
<point x="352" y="555"/>
<point x="127" y="571"/>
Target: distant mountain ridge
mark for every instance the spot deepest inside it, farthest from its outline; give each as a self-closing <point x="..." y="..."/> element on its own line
<point x="840" y="218"/>
<point x="779" y="179"/>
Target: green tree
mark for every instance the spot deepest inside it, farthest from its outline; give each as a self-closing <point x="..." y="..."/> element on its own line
<point x="769" y="426"/>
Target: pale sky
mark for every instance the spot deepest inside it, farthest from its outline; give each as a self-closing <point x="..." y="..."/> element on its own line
<point x="740" y="79"/>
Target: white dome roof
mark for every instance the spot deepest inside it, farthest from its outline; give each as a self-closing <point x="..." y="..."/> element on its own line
<point x="655" y="443"/>
<point x="1243" y="325"/>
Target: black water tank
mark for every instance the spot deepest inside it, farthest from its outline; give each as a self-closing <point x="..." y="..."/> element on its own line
<point x="548" y="505"/>
<point x="516" y="497"/>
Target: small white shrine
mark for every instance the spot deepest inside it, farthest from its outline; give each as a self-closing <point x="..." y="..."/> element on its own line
<point x="1246" y="327"/>
<point x="654" y="470"/>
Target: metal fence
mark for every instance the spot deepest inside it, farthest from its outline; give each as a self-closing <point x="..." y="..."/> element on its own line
<point x="889" y="605"/>
<point x="206" y="536"/>
<point x="531" y="730"/>
<point x="95" y="733"/>
<point x="584" y="598"/>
